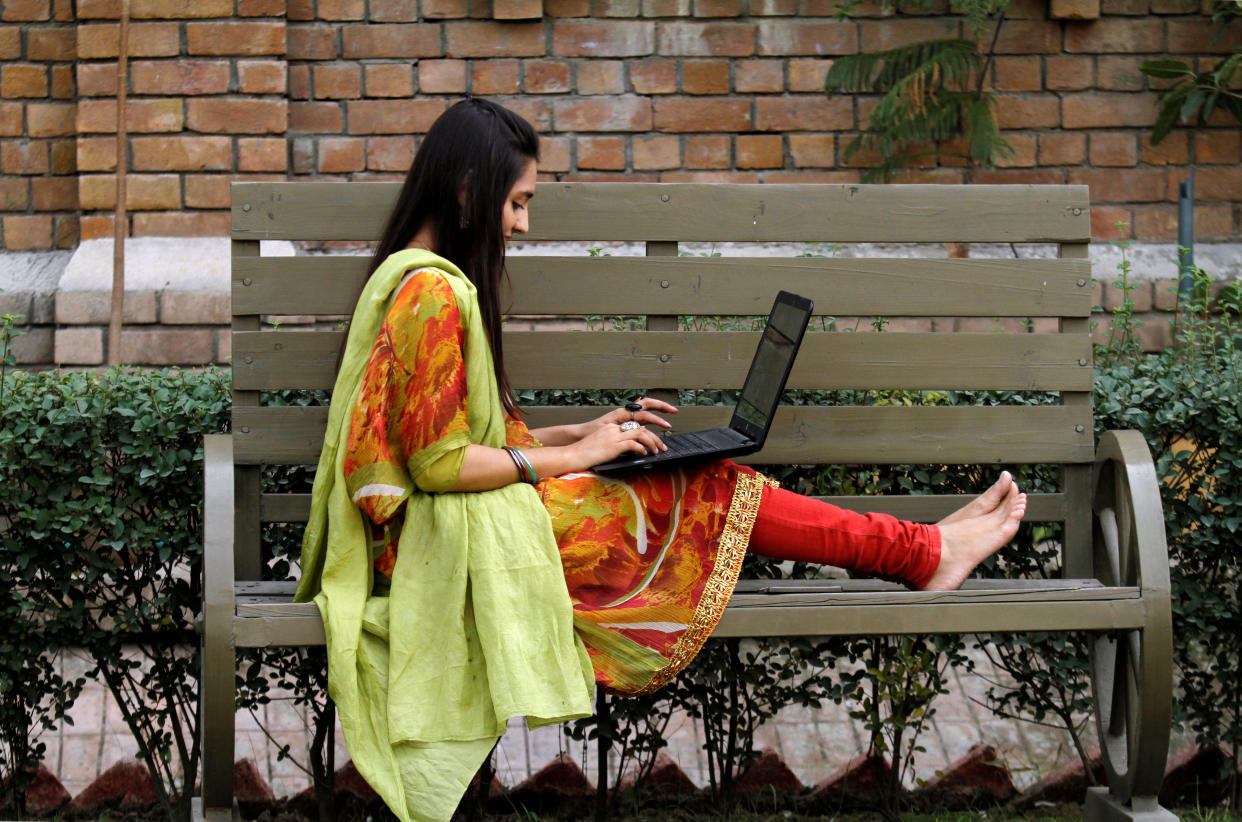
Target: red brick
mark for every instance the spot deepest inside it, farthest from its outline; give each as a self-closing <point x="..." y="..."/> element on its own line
<point x="1028" y="111"/>
<point x="656" y="153"/>
<point x="495" y="77"/>
<point x="96" y="153"/>
<point x="165" y="346"/>
<point x="172" y="77"/>
<point x="95" y="226"/>
<point x="567" y="8"/>
<point x="23" y="81"/>
<point x="63" y="11"/>
<point x="1018" y="176"/>
<point x="1120" y="73"/>
<point x="1173" y="150"/>
<point x="1105" y="221"/>
<point x="393" y="11"/>
<point x="601" y="153"/>
<point x="437" y="77"/>
<point x="262" y="76"/>
<point x="707" y="152"/>
<point x="11" y="43"/>
<point x="709" y="177"/>
<point x="444" y="9"/>
<point x="812" y="150"/>
<point x="1215" y="222"/>
<point x="229" y="38"/>
<point x="1062" y="148"/>
<point x="780" y="37"/>
<point x="312" y="43"/>
<point x="554" y="154"/>
<point x="27" y="233"/>
<point x="50" y="45"/>
<point x="760" y="151"/>
<point x="262" y="8"/>
<point x="654" y="77"/>
<point x="622" y="113"/>
<point x="707" y="39"/>
<point x="14" y="194"/>
<point x="182" y="224"/>
<point x="487" y="39"/>
<point x="237" y="115"/>
<point x="143" y="192"/>
<point x="773" y="8"/>
<point x="1017" y="74"/>
<point x="597" y="38"/>
<point x="705" y="77"/>
<point x="299" y="81"/>
<point x="78" y="346"/>
<point x="63" y="87"/>
<point x="207" y="190"/>
<point x="702" y="114"/>
<point x="1213" y="147"/>
<point x="340" y="9"/>
<point x="180" y="9"/>
<point x="1220" y="185"/>
<point x="1114" y="149"/>
<point x="877" y="35"/>
<point x="316" y="118"/>
<point x="804" y="113"/>
<point x="666" y="8"/>
<point x="1111" y="35"/>
<point x="1135" y="186"/>
<point x="392" y="116"/>
<point x="546" y="77"/>
<point x="1069" y="73"/>
<point x="1074" y="9"/>
<point x="1104" y="110"/>
<point x="391" y="80"/>
<point x="1158" y="223"/>
<point x="26" y="10"/>
<point x="1023" y="151"/>
<point x="98" y="9"/>
<point x="262" y="154"/>
<point x="390" y="153"/>
<point x="717" y="8"/>
<point x="534" y="110"/>
<point x="24" y="157"/>
<point x="759" y="76"/>
<point x="808" y="75"/>
<point x="1026" y="37"/>
<point x="608" y="8"/>
<point x="1195" y="37"/>
<point x="54" y="193"/>
<point x="99" y="40"/>
<point x="97" y="79"/>
<point x="399" y="40"/>
<point x="339" y="155"/>
<point x="142" y="115"/>
<point x="337" y="81"/>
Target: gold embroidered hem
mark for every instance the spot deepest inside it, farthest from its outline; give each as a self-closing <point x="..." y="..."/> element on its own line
<point x="719" y="587"/>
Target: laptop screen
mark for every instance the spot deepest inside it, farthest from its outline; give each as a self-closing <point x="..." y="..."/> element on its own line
<point x="777" y="348"/>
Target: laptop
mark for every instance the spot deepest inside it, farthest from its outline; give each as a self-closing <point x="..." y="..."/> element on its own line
<point x="761" y="393"/>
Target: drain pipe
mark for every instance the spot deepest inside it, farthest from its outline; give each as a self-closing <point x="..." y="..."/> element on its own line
<point x="1186" y="238"/>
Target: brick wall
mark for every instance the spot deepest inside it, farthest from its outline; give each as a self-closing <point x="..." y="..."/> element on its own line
<point x="634" y="89"/>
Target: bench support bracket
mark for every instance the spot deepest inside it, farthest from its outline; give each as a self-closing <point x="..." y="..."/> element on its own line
<point x="1101" y="806"/>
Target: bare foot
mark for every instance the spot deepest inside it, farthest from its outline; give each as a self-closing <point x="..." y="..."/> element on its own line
<point x="965" y="543"/>
<point x="985" y="503"/>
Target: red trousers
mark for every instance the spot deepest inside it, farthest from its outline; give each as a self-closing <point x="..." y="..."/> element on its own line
<point x="791" y="526"/>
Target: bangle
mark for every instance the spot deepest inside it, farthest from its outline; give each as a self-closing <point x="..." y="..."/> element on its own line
<point x="526" y="472"/>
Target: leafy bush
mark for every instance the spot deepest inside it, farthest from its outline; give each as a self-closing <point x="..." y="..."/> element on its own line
<point x="101" y="505"/>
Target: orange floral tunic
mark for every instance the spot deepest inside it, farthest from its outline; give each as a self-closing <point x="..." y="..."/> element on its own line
<point x="650" y="560"/>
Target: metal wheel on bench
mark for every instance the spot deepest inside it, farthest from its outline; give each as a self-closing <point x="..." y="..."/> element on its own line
<point x="1130" y="669"/>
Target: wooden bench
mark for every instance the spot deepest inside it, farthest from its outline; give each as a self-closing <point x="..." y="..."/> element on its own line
<point x="1115" y="564"/>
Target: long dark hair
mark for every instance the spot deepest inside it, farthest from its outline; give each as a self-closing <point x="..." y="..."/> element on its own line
<point x="468" y="163"/>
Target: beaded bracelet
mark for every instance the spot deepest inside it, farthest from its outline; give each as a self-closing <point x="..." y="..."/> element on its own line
<point x="526" y="472"/>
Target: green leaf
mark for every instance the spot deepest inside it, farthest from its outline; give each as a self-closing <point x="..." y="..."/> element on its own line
<point x="1166" y="69"/>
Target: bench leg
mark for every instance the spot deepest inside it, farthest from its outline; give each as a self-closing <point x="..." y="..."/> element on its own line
<point x="1102" y="806"/>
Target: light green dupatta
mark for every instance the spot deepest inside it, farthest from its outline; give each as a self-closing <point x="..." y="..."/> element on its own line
<point x="477" y="626"/>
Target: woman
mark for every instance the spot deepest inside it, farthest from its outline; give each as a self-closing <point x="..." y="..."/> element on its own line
<point x="512" y="595"/>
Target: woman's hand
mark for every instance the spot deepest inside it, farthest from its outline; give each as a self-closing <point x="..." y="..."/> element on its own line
<point x="571" y="434"/>
<point x="609" y="441"/>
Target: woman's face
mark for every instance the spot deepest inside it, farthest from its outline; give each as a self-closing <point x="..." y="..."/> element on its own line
<point x="514" y="217"/>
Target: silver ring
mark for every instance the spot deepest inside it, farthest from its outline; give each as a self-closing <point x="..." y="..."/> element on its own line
<point x="629" y="425"/>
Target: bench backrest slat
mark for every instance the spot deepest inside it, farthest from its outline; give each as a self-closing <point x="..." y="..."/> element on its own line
<point x="708" y="286"/>
<point x="647" y="212"/>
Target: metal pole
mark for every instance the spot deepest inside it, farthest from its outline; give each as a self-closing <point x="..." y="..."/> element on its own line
<point x="1186" y="238"/>
<point x="120" y="226"/>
